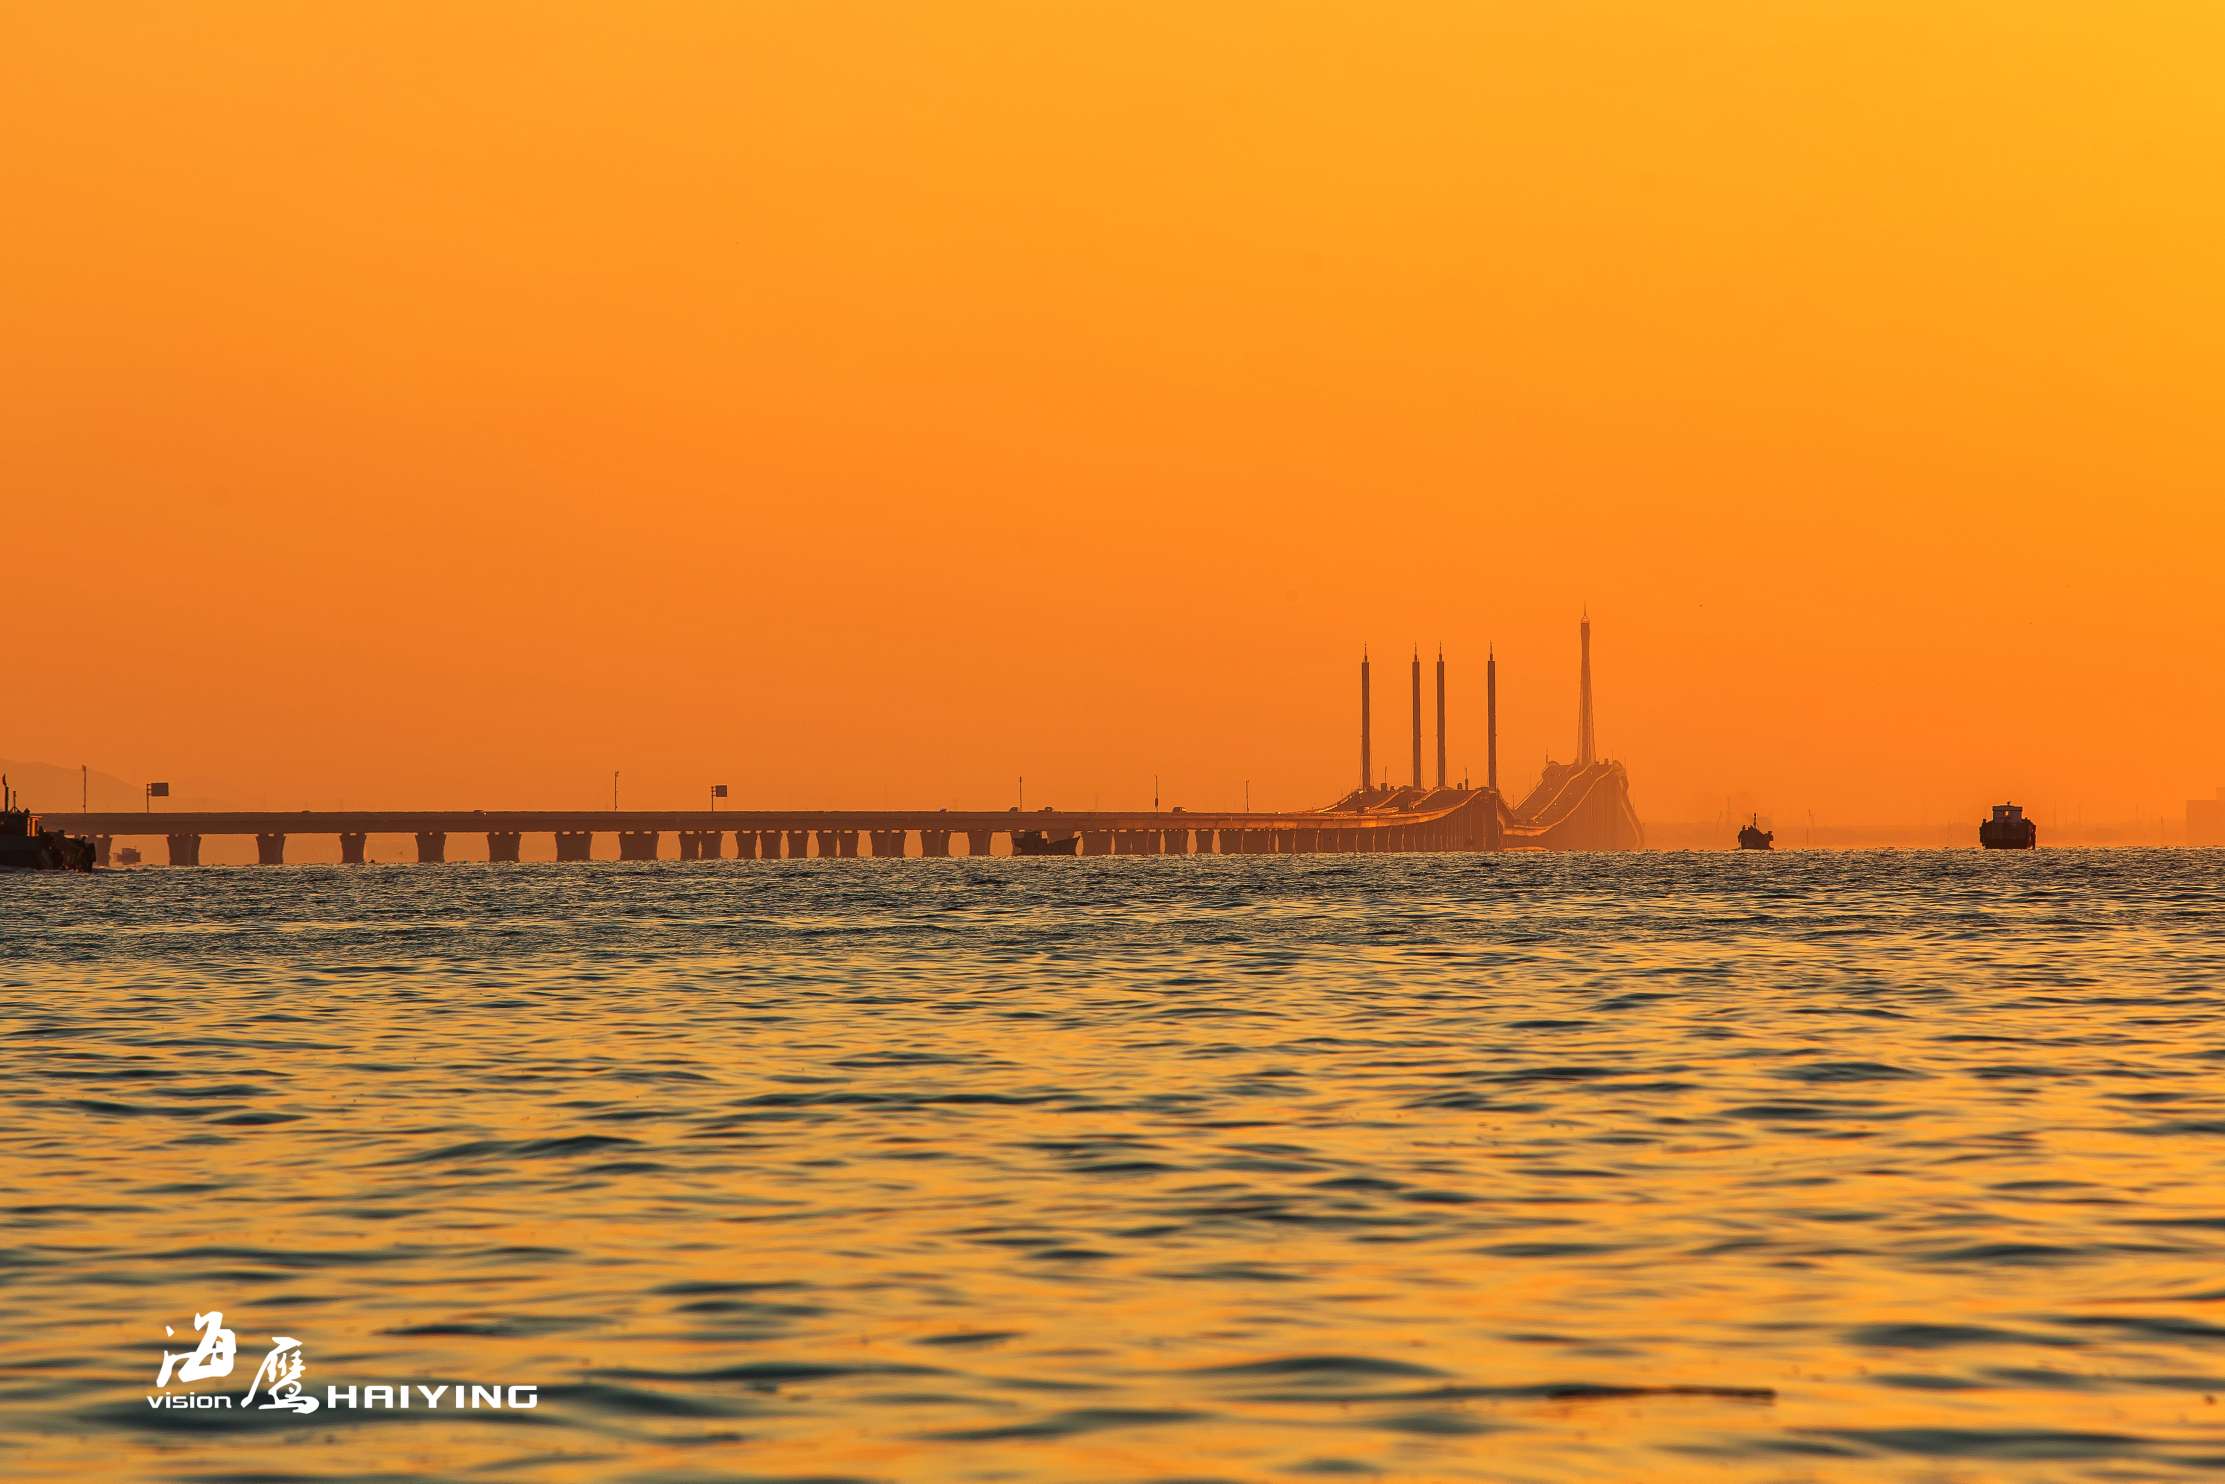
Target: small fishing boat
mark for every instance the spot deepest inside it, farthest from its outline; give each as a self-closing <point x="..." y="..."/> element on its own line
<point x="1036" y="842"/>
<point x="26" y="847"/>
<point x="2008" y="830"/>
<point x="1754" y="837"/>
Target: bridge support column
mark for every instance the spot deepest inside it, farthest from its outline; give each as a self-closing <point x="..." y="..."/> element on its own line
<point x="351" y="848"/>
<point x="1232" y="842"/>
<point x="745" y="845"/>
<point x="935" y="843"/>
<point x="1204" y="844"/>
<point x="1174" y="842"/>
<point x="1097" y="842"/>
<point x="100" y="848"/>
<point x="432" y="847"/>
<point x="1127" y="842"/>
<point x="270" y="850"/>
<point x="637" y="845"/>
<point x="846" y="841"/>
<point x="688" y="844"/>
<point x="711" y="845"/>
<point x="888" y="844"/>
<point x="502" y="845"/>
<point x="1306" y="842"/>
<point x="799" y="844"/>
<point x="977" y="841"/>
<point x="828" y="849"/>
<point x="768" y="845"/>
<point x="185" y="850"/>
<point x="575" y="845"/>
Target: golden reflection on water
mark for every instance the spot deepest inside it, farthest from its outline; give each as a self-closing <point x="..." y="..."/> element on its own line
<point x="1892" y="1166"/>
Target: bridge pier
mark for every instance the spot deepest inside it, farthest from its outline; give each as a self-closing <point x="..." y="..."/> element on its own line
<point x="1174" y="842"/>
<point x="934" y="843"/>
<point x="575" y="845"/>
<point x="827" y="847"/>
<point x="351" y="847"/>
<point x="1204" y="845"/>
<point x="799" y="844"/>
<point x="1097" y="842"/>
<point x="686" y="845"/>
<point x="1305" y="842"/>
<point x="270" y="850"/>
<point x="888" y="844"/>
<point x="432" y="847"/>
<point x="768" y="845"/>
<point x="637" y="845"/>
<point x="503" y="845"/>
<point x="100" y="848"/>
<point x="846" y="841"/>
<point x="745" y="845"/>
<point x="185" y="850"/>
<point x="977" y="841"/>
<point x="710" y="845"/>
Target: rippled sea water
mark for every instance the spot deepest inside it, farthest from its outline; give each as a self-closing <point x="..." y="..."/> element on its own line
<point x="1896" y="1165"/>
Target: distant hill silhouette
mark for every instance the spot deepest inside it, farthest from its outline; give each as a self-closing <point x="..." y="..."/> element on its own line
<point x="54" y="788"/>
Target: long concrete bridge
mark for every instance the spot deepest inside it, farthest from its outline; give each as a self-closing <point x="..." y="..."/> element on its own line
<point x="1401" y="820"/>
<point x="1584" y="805"/>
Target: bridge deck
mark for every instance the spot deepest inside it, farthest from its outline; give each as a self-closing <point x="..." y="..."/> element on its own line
<point x="606" y="821"/>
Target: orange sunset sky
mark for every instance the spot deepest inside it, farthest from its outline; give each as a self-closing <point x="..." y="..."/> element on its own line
<point x="864" y="404"/>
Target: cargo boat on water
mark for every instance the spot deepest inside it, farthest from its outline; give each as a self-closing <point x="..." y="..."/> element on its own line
<point x="2008" y="830"/>
<point x="1035" y="842"/>
<point x="26" y="847"/>
<point x="1754" y="837"/>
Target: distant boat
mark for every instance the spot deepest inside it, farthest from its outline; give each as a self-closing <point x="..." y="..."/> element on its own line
<point x="2008" y="830"/>
<point x="1035" y="842"/>
<point x="26" y="847"/>
<point x="1754" y="837"/>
